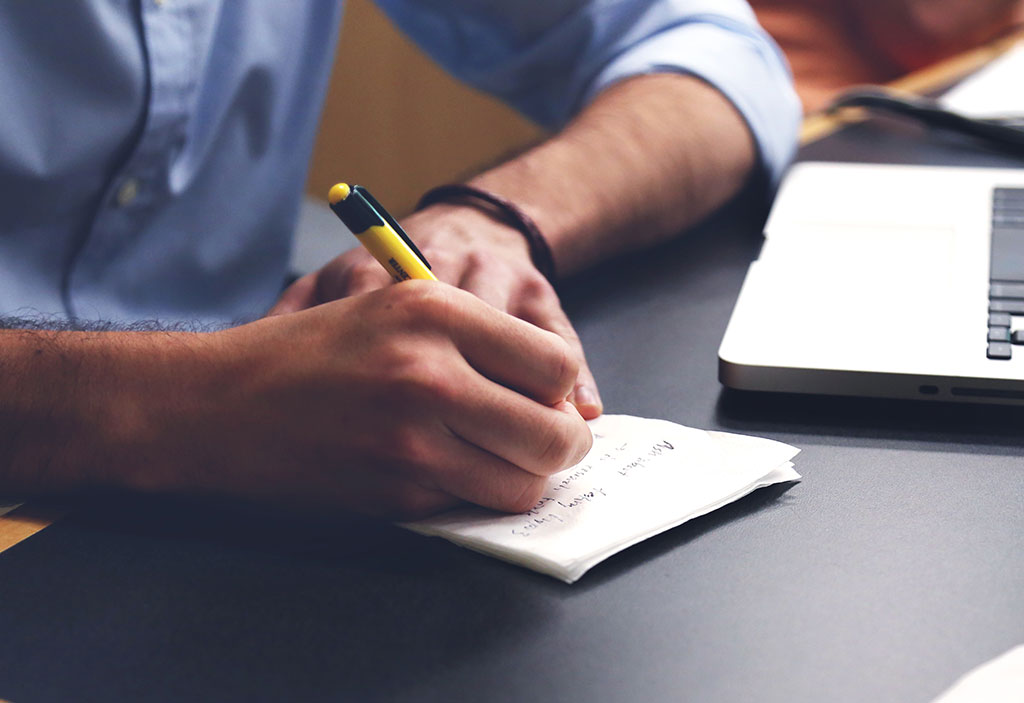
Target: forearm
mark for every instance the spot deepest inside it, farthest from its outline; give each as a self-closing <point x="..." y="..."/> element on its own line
<point x="79" y="408"/>
<point x="646" y="159"/>
<point x="325" y="409"/>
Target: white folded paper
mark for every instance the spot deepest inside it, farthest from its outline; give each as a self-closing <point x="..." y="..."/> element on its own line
<point x="641" y="477"/>
<point x="1000" y="680"/>
<point x="994" y="91"/>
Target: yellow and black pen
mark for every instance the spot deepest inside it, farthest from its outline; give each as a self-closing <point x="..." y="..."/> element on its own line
<point x="378" y="232"/>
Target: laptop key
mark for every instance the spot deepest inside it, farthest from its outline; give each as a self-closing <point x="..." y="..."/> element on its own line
<point x="1000" y="319"/>
<point x="1008" y="195"/>
<point x="1007" y="262"/>
<point x="1006" y="290"/>
<point x="999" y="334"/>
<point x="1007" y="218"/>
<point x="1014" y="307"/>
<point x="1007" y="254"/>
<point x="1017" y="337"/>
<point x="999" y="350"/>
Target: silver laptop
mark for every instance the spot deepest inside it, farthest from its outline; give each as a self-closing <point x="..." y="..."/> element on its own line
<point x="886" y="281"/>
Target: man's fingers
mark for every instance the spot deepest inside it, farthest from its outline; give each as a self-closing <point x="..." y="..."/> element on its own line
<point x="298" y="296"/>
<point x="354" y="273"/>
<point x="450" y="472"/>
<point x="510" y="351"/>
<point x="539" y="439"/>
<point x="472" y="474"/>
<point x="350" y="274"/>
<point x="547" y="313"/>
<point x="537" y="303"/>
<point x="493" y="285"/>
<point x="497" y="287"/>
<point x="402" y="499"/>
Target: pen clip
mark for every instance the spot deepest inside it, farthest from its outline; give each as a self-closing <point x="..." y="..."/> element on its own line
<point x="384" y="215"/>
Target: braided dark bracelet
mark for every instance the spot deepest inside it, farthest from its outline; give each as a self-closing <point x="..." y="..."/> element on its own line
<point x="502" y="210"/>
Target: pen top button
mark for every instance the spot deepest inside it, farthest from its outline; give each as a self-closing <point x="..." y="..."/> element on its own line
<point x="338" y="192"/>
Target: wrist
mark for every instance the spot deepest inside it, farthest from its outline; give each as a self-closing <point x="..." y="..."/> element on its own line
<point x="465" y="228"/>
<point x="145" y="394"/>
<point x="501" y="210"/>
<point x="165" y="426"/>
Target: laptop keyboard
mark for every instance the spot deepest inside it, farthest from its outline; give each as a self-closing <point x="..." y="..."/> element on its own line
<point x="1006" y="274"/>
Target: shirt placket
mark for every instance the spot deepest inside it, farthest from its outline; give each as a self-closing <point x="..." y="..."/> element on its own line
<point x="141" y="183"/>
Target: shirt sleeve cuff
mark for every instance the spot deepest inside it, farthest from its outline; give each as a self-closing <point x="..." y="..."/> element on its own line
<point x="744" y="65"/>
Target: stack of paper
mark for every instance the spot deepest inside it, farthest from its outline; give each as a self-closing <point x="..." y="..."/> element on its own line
<point x="641" y="477"/>
<point x="1000" y="680"/>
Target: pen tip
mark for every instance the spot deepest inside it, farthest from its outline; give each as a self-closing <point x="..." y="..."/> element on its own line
<point x="338" y="192"/>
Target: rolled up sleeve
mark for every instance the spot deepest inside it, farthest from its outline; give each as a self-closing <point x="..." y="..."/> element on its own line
<point x="739" y="61"/>
<point x="548" y="59"/>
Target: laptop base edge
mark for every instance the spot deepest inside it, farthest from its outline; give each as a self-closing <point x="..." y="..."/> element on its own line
<point x="834" y="382"/>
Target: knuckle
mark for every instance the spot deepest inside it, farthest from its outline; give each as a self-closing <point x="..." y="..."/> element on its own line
<point x="412" y="455"/>
<point x="417" y="383"/>
<point x="565" y="363"/>
<point x="360" y="277"/>
<point x="538" y="311"/>
<point x="344" y="277"/>
<point x="393" y="355"/>
<point x="584" y="444"/>
<point x="535" y="287"/>
<point x="403" y="447"/>
<point x="425" y="302"/>
<point x="481" y="259"/>
<point x="419" y="372"/>
<point x="528" y="497"/>
<point x="326" y="288"/>
<point x="440" y="258"/>
<point x="411" y="502"/>
<point x="365" y="268"/>
<point x="558" y="451"/>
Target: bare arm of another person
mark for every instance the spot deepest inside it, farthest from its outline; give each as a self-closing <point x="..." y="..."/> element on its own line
<point x="397" y="403"/>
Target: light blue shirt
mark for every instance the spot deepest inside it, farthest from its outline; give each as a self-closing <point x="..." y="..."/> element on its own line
<point x="153" y="152"/>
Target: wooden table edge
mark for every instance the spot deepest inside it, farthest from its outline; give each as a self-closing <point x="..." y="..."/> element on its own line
<point x="26" y="520"/>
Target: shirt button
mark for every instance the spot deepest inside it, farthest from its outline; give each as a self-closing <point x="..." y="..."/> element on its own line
<point x="127" y="192"/>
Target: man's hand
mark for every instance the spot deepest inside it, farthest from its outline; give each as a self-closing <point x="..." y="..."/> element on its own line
<point x="470" y="250"/>
<point x="399" y="402"/>
<point x="647" y="158"/>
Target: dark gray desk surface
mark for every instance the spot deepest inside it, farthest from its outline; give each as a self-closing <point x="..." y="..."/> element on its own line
<point x="894" y="567"/>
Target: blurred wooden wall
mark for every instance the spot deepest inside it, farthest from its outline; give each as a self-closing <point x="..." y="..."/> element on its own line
<point x="396" y="123"/>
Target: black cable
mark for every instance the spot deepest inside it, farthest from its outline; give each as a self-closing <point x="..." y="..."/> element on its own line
<point x="1005" y="133"/>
